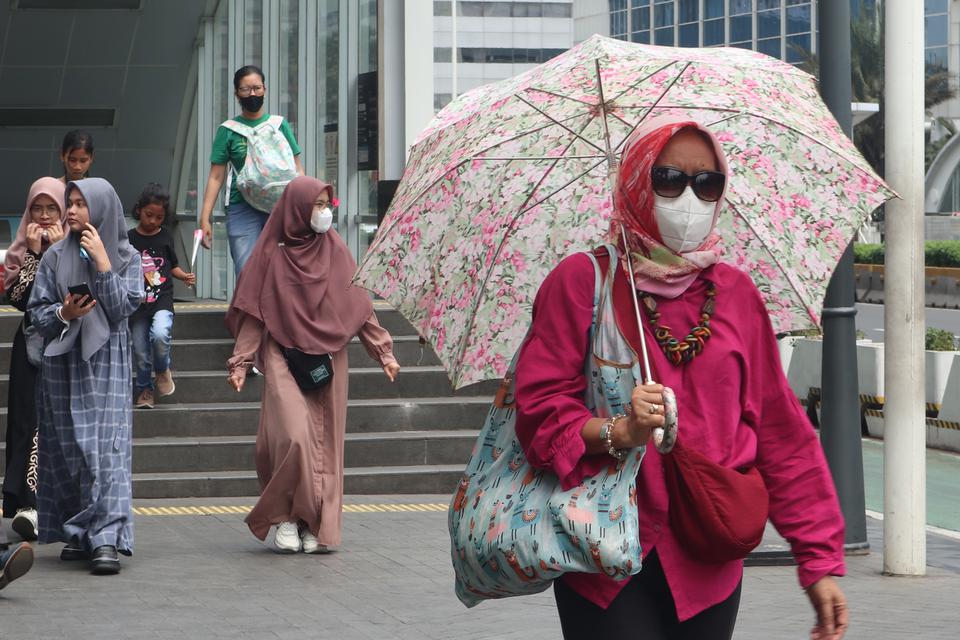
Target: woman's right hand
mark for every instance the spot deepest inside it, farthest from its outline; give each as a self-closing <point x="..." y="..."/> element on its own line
<point x="237" y="378"/>
<point x="207" y="228"/>
<point x="34" y="237"/>
<point x="75" y="306"/>
<point x="646" y="404"/>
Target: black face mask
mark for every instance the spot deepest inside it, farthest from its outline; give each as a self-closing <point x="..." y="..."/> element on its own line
<point x="251" y="104"/>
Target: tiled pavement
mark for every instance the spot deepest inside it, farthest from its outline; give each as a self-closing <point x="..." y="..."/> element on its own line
<point x="205" y="576"/>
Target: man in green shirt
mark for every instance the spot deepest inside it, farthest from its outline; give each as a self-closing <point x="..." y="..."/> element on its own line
<point x="244" y="222"/>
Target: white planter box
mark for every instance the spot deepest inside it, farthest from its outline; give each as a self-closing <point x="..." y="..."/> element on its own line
<point x="804" y="365"/>
<point x="938" y="367"/>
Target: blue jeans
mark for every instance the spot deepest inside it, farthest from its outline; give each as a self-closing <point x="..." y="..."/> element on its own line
<point x="244" y="224"/>
<point x="151" y="346"/>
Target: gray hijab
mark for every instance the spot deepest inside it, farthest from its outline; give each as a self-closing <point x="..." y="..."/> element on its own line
<point x="106" y="214"/>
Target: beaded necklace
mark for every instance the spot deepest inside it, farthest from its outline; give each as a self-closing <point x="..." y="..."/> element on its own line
<point x="679" y="352"/>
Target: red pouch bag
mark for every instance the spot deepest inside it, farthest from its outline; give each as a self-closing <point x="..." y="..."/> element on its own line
<point x="718" y="514"/>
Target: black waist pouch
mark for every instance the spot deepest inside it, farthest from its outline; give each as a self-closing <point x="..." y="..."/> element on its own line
<point x="311" y="372"/>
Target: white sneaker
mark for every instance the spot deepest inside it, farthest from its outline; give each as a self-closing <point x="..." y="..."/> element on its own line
<point x="311" y="545"/>
<point x="25" y="524"/>
<point x="287" y="538"/>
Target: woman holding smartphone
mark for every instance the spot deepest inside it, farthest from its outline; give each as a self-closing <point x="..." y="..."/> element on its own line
<point x="87" y="286"/>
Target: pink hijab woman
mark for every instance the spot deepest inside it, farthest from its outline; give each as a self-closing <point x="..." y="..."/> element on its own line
<point x="43" y="224"/>
<point x="735" y="405"/>
<point x="295" y="303"/>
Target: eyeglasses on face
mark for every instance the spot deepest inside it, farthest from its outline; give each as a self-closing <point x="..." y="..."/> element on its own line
<point x="670" y="183"/>
<point x="50" y="209"/>
<point x="257" y="90"/>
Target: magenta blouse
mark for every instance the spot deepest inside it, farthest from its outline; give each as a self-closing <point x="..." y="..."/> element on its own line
<point x="735" y="407"/>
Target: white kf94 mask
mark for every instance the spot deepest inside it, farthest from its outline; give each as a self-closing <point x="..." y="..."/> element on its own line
<point x="321" y="219"/>
<point x="685" y="221"/>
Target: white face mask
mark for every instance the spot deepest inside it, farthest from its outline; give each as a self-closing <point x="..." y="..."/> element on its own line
<point x="321" y="219"/>
<point x="684" y="221"/>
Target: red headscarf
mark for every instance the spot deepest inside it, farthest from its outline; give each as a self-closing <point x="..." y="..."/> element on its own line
<point x="657" y="268"/>
<point x="298" y="282"/>
<point x="18" y="249"/>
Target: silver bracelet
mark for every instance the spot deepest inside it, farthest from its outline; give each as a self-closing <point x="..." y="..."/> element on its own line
<point x="606" y="435"/>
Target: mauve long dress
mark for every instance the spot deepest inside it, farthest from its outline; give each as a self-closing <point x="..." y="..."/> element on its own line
<point x="300" y="440"/>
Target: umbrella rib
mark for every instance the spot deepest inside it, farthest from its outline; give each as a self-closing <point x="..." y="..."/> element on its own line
<point x="786" y="274"/>
<point x="554" y="120"/>
<point x="557" y="95"/>
<point x="647" y="77"/>
<point x="654" y="106"/>
<point x="524" y="208"/>
<point x="736" y="113"/>
<point x="426" y="189"/>
<point x="507" y="158"/>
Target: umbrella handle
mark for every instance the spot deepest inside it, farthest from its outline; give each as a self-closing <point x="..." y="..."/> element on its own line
<point x="647" y="376"/>
<point x="663" y="437"/>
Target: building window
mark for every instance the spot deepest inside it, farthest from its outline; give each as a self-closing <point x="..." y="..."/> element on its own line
<point x="470" y="9"/>
<point x="664" y="37"/>
<point x="642" y="37"/>
<point x="618" y="19"/>
<point x="713" y="33"/>
<point x="640" y="18"/>
<point x="796" y="45"/>
<point x="741" y="29"/>
<point x="690" y="35"/>
<point x="798" y="19"/>
<point x="442" y="54"/>
<point x="663" y="14"/>
<point x="556" y="10"/>
<point x="739" y="7"/>
<point x="440" y="100"/>
<point x="771" y="47"/>
<point x="936" y="24"/>
<point x="713" y="9"/>
<point x="441" y="8"/>
<point x="503" y="55"/>
<point x="689" y="11"/>
<point x="768" y="24"/>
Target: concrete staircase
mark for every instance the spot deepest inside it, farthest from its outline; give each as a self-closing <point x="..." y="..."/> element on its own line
<point x="413" y="436"/>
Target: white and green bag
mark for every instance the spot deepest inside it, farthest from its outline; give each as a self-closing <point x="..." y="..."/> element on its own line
<point x="269" y="166"/>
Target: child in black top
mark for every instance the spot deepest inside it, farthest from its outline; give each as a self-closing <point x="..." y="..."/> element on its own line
<point x="151" y="326"/>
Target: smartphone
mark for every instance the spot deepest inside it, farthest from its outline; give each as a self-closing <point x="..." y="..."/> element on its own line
<point x="81" y="290"/>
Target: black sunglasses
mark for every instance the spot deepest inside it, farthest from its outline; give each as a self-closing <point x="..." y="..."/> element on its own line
<point x="670" y="183"/>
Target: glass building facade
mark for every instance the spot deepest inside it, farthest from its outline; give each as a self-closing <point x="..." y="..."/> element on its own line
<point x="320" y="60"/>
<point x="784" y="29"/>
<point x="482" y="41"/>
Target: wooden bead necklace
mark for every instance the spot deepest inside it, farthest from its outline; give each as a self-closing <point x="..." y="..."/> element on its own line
<point x="679" y="352"/>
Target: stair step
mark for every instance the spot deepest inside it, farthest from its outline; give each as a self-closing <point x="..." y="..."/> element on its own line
<point x="236" y="453"/>
<point x="211" y="386"/>
<point x="155" y="455"/>
<point x="212" y="353"/>
<point x="433" y="479"/>
<point x="242" y="418"/>
<point x="208" y="323"/>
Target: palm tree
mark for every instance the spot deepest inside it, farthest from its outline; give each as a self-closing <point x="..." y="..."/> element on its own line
<point x="866" y="66"/>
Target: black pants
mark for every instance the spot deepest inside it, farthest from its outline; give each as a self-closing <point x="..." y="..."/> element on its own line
<point x="20" y="476"/>
<point x="644" y="610"/>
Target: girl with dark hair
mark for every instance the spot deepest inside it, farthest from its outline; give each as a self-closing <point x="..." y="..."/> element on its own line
<point x="76" y="154"/>
<point x="258" y="176"/>
<point x="42" y="225"/>
<point x="151" y="326"/>
<point x="87" y="286"/>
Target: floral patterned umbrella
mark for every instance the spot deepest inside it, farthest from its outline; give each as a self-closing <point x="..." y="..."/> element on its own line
<point x="511" y="177"/>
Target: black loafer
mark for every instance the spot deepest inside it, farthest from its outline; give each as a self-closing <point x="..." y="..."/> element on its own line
<point x="14" y="562"/>
<point x="105" y="561"/>
<point x="71" y="553"/>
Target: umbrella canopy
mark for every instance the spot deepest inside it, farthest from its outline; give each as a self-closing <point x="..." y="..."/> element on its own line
<point x="511" y="177"/>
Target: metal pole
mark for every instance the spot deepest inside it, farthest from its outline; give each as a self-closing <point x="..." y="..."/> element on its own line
<point x="904" y="460"/>
<point x="840" y="414"/>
